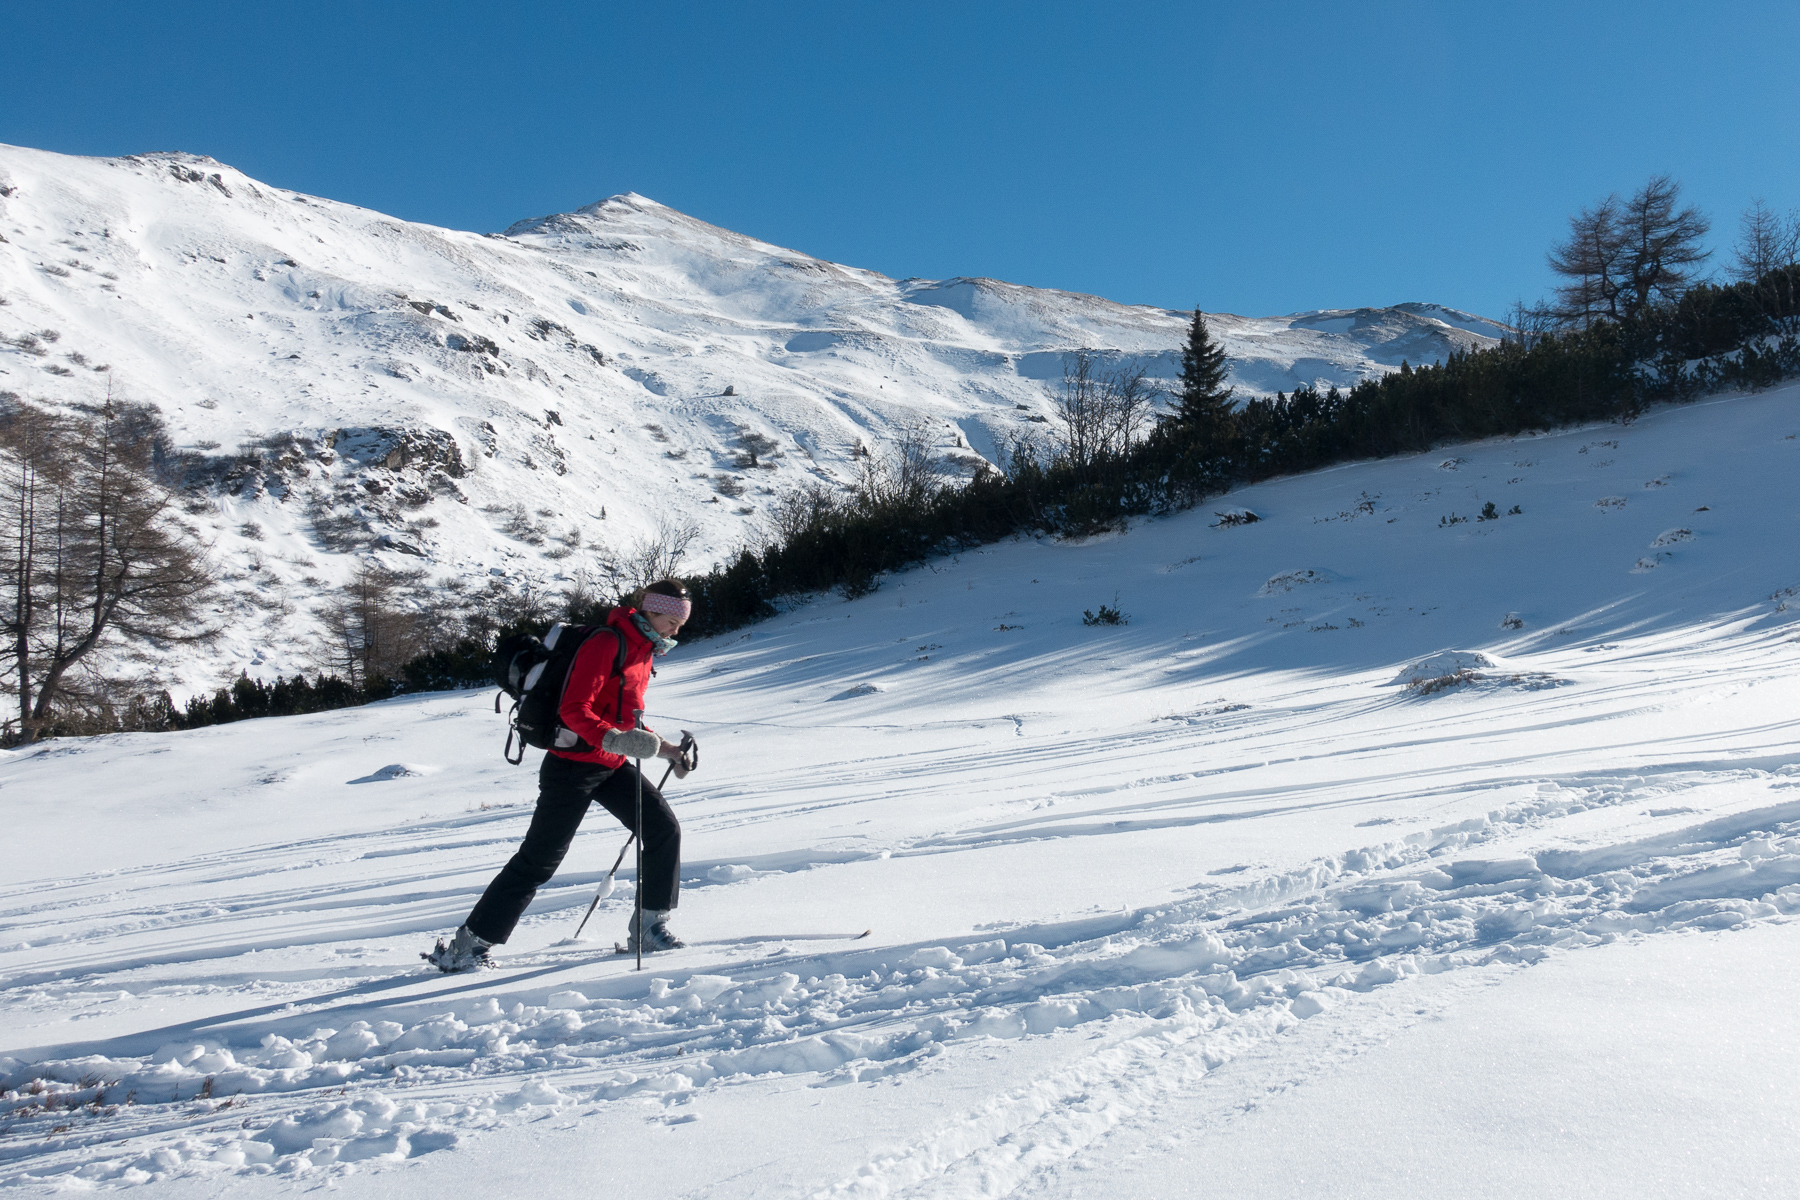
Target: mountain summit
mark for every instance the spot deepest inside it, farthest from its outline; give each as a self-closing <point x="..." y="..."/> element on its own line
<point x="335" y="382"/>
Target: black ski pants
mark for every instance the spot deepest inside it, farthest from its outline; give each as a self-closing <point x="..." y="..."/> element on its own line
<point x="565" y="789"/>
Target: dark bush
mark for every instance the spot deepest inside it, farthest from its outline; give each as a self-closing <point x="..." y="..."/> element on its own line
<point x="1109" y="614"/>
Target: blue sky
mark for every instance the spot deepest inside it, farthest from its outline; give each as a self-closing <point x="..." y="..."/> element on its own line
<point x="1254" y="158"/>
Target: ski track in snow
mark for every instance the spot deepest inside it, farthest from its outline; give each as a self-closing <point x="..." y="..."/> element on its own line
<point x="1184" y="987"/>
<point x="1141" y="869"/>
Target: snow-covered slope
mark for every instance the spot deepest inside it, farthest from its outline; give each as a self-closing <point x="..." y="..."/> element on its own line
<point x="1381" y="853"/>
<point x="342" y="382"/>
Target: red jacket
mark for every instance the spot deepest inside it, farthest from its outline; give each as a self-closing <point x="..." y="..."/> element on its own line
<point x="595" y="700"/>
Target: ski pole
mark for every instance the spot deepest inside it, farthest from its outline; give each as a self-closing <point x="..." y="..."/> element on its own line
<point x="606" y="885"/>
<point x="687" y="745"/>
<point x="690" y="755"/>
<point x="638" y="834"/>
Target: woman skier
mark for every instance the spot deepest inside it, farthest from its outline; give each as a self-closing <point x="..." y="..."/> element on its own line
<point x="604" y="708"/>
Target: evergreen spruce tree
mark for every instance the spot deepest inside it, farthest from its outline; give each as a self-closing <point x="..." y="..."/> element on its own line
<point x="1203" y="400"/>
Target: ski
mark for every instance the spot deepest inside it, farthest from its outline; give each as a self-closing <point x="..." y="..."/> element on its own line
<point x="534" y="961"/>
<point x="759" y="940"/>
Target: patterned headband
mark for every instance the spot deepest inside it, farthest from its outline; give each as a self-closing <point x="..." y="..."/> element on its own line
<point x="669" y="606"/>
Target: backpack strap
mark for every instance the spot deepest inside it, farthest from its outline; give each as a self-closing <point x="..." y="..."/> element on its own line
<point x="512" y="732"/>
<point x="618" y="669"/>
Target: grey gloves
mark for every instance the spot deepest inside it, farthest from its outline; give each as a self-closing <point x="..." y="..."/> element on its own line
<point x="632" y="743"/>
<point x="682" y="758"/>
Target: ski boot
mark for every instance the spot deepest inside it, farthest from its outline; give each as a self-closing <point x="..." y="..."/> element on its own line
<point x="466" y="952"/>
<point x="657" y="934"/>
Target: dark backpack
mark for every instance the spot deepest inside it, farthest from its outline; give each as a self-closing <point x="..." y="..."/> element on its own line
<point x="535" y="674"/>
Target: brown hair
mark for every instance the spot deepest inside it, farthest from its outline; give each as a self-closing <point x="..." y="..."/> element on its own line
<point x="663" y="587"/>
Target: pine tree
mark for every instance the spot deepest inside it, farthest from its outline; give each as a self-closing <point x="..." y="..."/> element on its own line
<point x="1203" y="400"/>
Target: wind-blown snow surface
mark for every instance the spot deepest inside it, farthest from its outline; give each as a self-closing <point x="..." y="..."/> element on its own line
<point x="338" y="382"/>
<point x="1312" y="878"/>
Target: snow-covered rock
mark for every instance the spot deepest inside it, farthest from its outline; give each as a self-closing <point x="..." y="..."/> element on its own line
<point x="1449" y="662"/>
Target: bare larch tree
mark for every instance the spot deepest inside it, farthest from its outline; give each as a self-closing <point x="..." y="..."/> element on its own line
<point x="90" y="556"/>
<point x="903" y="477"/>
<point x="1765" y="242"/>
<point x="1622" y="254"/>
<point x="372" y="626"/>
<point x="1101" y="412"/>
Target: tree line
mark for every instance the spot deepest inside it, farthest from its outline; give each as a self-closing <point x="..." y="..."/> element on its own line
<point x="1630" y="325"/>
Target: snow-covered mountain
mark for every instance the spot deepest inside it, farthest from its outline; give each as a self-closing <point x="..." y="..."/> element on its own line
<point x="341" y="382"/>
